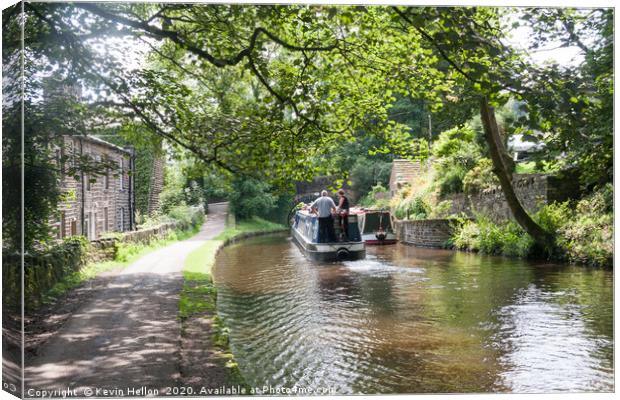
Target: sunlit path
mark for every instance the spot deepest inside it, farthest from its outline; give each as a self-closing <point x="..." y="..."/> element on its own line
<point x="128" y="333"/>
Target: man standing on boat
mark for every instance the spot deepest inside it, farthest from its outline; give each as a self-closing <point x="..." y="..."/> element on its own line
<point x="324" y="206"/>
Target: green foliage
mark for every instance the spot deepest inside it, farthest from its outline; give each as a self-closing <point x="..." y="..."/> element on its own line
<point x="456" y="152"/>
<point x="588" y="236"/>
<point x="573" y="104"/>
<point x="173" y="193"/>
<point x="449" y="142"/>
<point x="489" y="238"/>
<point x="441" y="209"/>
<point x="480" y="177"/>
<point x="584" y="233"/>
<point x="272" y="107"/>
<point x="451" y="180"/>
<point x="371" y="200"/>
<point x="412" y="208"/>
<point x="251" y="197"/>
<point x="367" y="173"/>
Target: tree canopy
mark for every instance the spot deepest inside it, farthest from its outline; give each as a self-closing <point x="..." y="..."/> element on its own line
<point x="265" y="90"/>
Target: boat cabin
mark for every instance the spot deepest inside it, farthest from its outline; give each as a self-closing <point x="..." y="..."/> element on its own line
<point x="305" y="231"/>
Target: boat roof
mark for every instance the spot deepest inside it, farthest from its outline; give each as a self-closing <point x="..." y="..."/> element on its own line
<point x="362" y="210"/>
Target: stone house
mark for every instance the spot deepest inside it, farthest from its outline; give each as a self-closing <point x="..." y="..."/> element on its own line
<point x="403" y="172"/>
<point x="94" y="205"/>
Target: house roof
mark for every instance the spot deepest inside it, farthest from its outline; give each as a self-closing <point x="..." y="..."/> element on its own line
<point x="404" y="170"/>
<point x="102" y="142"/>
<point x="519" y="144"/>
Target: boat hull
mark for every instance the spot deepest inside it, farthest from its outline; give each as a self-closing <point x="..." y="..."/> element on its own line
<point x="335" y="251"/>
<point x="371" y="239"/>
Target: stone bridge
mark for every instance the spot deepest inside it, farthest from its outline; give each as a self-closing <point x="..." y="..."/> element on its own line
<point x="309" y="191"/>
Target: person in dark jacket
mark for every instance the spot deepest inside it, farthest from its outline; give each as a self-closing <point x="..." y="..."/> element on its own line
<point x="343" y="213"/>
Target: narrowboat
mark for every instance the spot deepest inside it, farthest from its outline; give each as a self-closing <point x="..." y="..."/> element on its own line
<point x="375" y="226"/>
<point x="305" y="232"/>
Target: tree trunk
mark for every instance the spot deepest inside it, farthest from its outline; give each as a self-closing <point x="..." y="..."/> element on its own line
<point x="504" y="174"/>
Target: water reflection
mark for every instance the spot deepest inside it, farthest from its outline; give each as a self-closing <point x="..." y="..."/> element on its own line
<point x="411" y="320"/>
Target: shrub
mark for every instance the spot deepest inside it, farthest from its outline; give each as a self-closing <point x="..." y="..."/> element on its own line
<point x="173" y="193"/>
<point x="489" y="238"/>
<point x="188" y="216"/>
<point x="552" y="217"/>
<point x="451" y="181"/>
<point x="584" y="234"/>
<point x="441" y="209"/>
<point x="450" y="141"/>
<point x="251" y="197"/>
<point x="370" y="200"/>
<point x="587" y="237"/>
<point x="466" y="236"/>
<point x="515" y="242"/>
<point x="480" y="177"/>
<point x="457" y="153"/>
<point x="413" y="208"/>
<point x="366" y="173"/>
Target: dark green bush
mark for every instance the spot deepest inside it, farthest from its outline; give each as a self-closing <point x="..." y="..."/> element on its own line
<point x="250" y="197"/>
<point x="366" y="173"/>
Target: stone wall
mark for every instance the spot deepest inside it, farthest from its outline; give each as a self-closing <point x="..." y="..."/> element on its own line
<point x="156" y="184"/>
<point x="533" y="190"/>
<point x="104" y="248"/>
<point x="424" y="233"/>
<point x="309" y="190"/>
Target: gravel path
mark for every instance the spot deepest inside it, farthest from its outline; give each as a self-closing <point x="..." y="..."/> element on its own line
<point x="128" y="335"/>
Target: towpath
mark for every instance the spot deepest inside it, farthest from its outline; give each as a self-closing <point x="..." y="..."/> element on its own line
<point x="127" y="335"/>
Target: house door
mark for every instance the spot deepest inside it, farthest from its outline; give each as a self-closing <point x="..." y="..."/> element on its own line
<point x="89" y="225"/>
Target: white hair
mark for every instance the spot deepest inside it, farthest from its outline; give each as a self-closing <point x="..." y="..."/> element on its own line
<point x="324" y="193"/>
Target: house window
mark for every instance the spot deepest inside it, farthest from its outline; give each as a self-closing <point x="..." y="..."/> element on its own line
<point x="94" y="225"/>
<point x="61" y="160"/>
<point x="105" y="219"/>
<point x="63" y="222"/>
<point x="120" y="182"/>
<point x="106" y="176"/>
<point x="87" y="176"/>
<point x="87" y="225"/>
<point x="90" y="224"/>
<point x="73" y="228"/>
<point x="122" y="220"/>
<point x="58" y="157"/>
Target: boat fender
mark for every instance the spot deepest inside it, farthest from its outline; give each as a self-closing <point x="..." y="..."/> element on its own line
<point x="343" y="254"/>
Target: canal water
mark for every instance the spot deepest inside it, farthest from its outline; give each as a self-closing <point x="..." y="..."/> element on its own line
<point x="414" y="320"/>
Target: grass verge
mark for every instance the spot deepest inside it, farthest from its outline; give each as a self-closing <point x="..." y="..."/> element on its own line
<point x="199" y="295"/>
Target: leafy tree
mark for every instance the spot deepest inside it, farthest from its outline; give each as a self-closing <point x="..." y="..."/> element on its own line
<point x="574" y="104"/>
<point x="365" y="174"/>
<point x="251" y="197"/>
<point x="300" y="79"/>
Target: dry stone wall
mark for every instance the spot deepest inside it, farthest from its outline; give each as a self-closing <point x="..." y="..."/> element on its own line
<point x="533" y="190"/>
